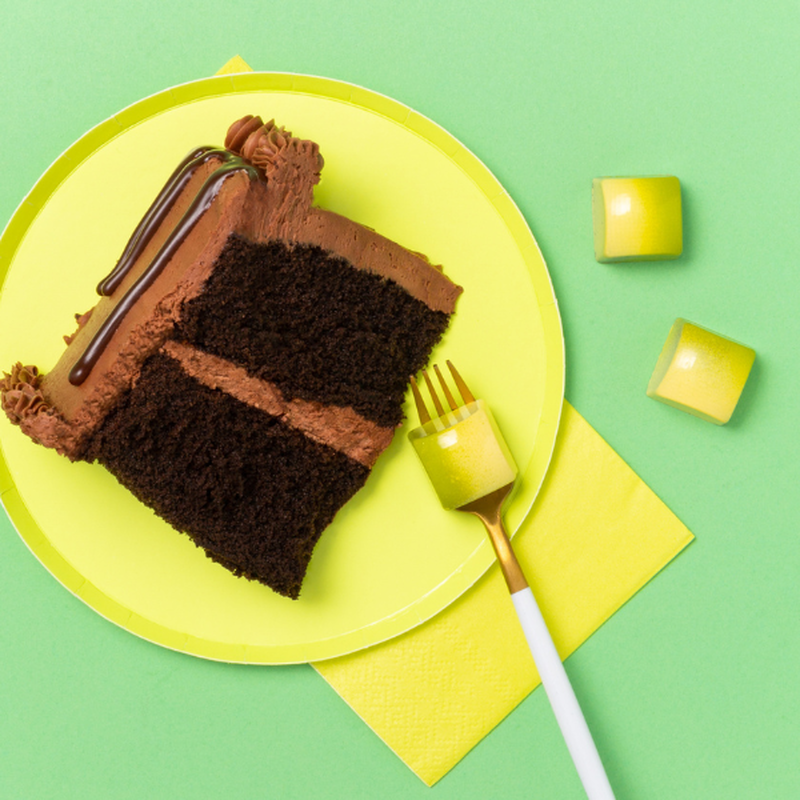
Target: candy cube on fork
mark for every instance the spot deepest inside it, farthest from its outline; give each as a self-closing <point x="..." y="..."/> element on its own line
<point x="472" y="469"/>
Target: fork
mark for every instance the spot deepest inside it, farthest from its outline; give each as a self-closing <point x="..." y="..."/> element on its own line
<point x="473" y="470"/>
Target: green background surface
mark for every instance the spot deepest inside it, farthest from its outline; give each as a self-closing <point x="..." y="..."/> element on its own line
<point x="691" y="689"/>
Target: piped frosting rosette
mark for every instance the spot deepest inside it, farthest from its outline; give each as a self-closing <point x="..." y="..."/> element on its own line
<point x="21" y="394"/>
<point x="274" y="151"/>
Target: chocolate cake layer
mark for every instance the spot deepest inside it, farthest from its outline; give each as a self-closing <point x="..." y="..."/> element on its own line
<point x="315" y="326"/>
<point x="340" y="428"/>
<point x="253" y="492"/>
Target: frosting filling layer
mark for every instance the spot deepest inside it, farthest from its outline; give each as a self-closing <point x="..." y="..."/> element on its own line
<point x="339" y="428"/>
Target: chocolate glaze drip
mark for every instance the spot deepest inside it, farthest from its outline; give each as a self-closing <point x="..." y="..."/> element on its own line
<point x="156" y="213"/>
<point x="80" y="371"/>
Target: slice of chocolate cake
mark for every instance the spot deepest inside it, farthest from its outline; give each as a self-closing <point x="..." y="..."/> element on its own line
<point x="247" y="361"/>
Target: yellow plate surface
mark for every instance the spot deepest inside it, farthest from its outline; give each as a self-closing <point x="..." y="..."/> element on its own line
<point x="393" y="557"/>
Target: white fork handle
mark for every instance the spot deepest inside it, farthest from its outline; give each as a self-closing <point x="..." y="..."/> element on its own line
<point x="562" y="698"/>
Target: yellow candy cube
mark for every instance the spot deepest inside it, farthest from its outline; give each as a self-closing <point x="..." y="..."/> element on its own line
<point x="464" y="454"/>
<point x="637" y="219"/>
<point x="701" y="372"/>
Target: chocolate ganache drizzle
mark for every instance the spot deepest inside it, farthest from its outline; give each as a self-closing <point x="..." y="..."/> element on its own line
<point x="155" y="215"/>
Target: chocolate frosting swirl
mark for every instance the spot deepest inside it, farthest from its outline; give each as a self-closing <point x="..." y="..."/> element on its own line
<point x="81" y="319"/>
<point x="21" y="394"/>
<point x="279" y="156"/>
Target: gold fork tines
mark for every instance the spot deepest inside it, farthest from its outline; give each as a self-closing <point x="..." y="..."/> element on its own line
<point x="422" y="409"/>
<point x="435" y="397"/>
<point x="466" y="394"/>
<point x="447" y="393"/>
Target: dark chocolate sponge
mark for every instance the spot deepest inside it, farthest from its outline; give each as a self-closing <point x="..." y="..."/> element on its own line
<point x="314" y="325"/>
<point x="255" y="493"/>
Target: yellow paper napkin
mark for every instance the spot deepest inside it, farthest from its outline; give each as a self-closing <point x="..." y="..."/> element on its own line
<point x="595" y="536"/>
<point x="236" y="64"/>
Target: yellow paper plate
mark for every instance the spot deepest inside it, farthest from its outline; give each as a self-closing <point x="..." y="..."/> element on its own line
<point x="392" y="558"/>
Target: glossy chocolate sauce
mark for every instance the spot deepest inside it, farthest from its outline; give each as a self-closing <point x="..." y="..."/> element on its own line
<point x="231" y="164"/>
<point x="156" y="214"/>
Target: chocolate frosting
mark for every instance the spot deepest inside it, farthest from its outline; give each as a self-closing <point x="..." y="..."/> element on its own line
<point x="279" y="155"/>
<point x="22" y="396"/>
<point x="81" y="319"/>
<point x="25" y="405"/>
<point x="290" y="166"/>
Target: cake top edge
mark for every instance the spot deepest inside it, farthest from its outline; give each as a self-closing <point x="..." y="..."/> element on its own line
<point x="275" y="152"/>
